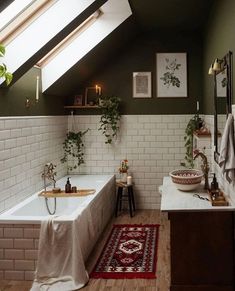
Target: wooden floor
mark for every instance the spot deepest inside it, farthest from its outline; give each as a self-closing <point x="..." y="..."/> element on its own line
<point x="163" y="264"/>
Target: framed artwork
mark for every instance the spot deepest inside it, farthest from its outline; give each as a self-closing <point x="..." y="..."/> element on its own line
<point x="172" y="75"/>
<point x="221" y="83"/>
<point x="77" y="100"/>
<point x="91" y="96"/>
<point x="142" y="85"/>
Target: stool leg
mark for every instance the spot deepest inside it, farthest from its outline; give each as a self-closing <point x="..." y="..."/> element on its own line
<point x="132" y="196"/>
<point x="120" y="198"/>
<point x="117" y="201"/>
<point x="130" y="201"/>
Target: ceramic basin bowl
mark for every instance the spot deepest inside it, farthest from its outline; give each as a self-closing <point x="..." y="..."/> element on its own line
<point x="187" y="179"/>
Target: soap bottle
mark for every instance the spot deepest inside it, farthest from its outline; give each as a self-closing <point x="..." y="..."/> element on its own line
<point x="214" y="184"/>
<point x="68" y="186"/>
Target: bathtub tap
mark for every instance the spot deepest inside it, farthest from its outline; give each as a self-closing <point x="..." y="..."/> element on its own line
<point x="49" y="173"/>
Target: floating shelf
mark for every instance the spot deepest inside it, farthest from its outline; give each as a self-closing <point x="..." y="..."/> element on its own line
<point x="81" y="106"/>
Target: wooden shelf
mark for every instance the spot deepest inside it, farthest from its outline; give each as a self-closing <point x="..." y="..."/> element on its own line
<point x="81" y="106"/>
<point x="81" y="192"/>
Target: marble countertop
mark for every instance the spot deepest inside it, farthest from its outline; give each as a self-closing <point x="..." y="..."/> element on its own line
<point x="175" y="200"/>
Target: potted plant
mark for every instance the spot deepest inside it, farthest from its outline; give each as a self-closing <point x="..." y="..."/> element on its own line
<point x="123" y="170"/>
<point x="73" y="148"/>
<point x="110" y="117"/>
<point x="7" y="76"/>
<point x="194" y="123"/>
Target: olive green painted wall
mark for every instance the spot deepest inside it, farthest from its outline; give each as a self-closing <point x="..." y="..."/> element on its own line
<point x="219" y="39"/>
<point x="116" y="76"/>
<point x="12" y="99"/>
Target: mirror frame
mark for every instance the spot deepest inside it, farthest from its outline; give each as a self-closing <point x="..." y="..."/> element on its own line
<point x="225" y="63"/>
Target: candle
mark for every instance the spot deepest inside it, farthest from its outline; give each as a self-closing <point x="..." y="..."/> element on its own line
<point x="99" y="90"/>
<point x="129" y="180"/>
<point x="96" y="89"/>
<point x="37" y="89"/>
<point x="197" y="105"/>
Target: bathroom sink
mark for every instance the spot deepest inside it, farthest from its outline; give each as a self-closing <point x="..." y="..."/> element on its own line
<point x="186" y="179"/>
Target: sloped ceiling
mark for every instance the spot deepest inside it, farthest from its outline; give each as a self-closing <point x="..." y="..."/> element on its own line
<point x="150" y="15"/>
<point x="147" y="15"/>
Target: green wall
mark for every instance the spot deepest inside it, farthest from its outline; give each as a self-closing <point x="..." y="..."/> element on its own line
<point x="219" y="39"/>
<point x="12" y="99"/>
<point x="116" y="76"/>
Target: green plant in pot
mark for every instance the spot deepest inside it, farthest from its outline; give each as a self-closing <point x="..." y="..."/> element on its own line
<point x="7" y="76"/>
<point x="194" y="123"/>
<point x="73" y="148"/>
<point x="110" y="117"/>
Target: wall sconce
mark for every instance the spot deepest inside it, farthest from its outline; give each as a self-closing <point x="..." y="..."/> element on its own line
<point x="28" y="102"/>
<point x="216" y="66"/>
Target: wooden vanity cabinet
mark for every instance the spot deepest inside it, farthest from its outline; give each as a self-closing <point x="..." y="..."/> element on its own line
<point x="202" y="251"/>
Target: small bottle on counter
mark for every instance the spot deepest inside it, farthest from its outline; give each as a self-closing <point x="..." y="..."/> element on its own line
<point x="214" y="187"/>
<point x="68" y="186"/>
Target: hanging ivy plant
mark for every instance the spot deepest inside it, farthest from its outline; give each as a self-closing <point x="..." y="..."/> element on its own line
<point x="110" y="117"/>
<point x="194" y="123"/>
<point x="73" y="148"/>
<point x="7" y="76"/>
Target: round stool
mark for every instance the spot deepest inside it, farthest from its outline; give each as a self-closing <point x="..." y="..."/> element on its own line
<point x="120" y="197"/>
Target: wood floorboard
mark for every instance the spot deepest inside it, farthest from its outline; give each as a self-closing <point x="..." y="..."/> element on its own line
<point x="163" y="264"/>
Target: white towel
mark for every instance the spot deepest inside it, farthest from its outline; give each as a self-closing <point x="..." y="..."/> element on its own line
<point x="60" y="261"/>
<point x="227" y="150"/>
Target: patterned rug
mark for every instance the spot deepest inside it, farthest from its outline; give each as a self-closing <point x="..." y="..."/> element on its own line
<point x="130" y="252"/>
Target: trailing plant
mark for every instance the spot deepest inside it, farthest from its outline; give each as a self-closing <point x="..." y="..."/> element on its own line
<point x="194" y="123"/>
<point x="73" y="148"/>
<point x="110" y="117"/>
<point x="7" y="76"/>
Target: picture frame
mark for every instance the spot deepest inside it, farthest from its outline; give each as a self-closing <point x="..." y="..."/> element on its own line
<point x="221" y="83"/>
<point x="142" y="85"/>
<point x="171" y="75"/>
<point x="77" y="100"/>
<point x="91" y="96"/>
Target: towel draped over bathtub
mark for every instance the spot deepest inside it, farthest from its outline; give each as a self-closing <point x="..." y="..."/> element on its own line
<point x="61" y="265"/>
<point x="227" y="150"/>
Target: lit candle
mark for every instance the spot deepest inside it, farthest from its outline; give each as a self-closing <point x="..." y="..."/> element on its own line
<point x="96" y="89"/>
<point x="37" y="89"/>
<point x="197" y="105"/>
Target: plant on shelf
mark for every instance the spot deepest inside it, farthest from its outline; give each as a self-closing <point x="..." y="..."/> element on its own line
<point x="110" y="117"/>
<point x="7" y="76"/>
<point x="73" y="148"/>
<point x="124" y="166"/>
<point x="194" y="123"/>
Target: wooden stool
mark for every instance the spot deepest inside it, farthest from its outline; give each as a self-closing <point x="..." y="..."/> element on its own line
<point x="130" y="196"/>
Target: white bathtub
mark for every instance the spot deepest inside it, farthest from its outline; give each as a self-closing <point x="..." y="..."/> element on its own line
<point x="33" y="209"/>
<point x="20" y="225"/>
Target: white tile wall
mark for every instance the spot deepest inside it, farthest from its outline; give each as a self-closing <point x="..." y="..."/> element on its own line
<point x="153" y="145"/>
<point x="26" y="144"/>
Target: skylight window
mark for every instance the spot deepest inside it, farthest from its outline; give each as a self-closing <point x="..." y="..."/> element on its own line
<point x="12" y="11"/>
<point x="57" y="15"/>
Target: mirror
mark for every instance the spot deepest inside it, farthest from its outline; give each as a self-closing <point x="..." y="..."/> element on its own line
<point x="222" y="98"/>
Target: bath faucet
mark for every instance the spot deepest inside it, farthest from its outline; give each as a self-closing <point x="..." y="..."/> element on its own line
<point x="49" y="173"/>
<point x="205" y="166"/>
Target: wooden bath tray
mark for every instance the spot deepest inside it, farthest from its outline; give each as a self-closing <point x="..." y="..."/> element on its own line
<point x="82" y="192"/>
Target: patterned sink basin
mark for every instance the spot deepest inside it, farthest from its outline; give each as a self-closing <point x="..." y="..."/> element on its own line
<point x="187" y="179"/>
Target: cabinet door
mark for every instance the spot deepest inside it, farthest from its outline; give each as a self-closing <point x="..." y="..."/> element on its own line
<point x="202" y="249"/>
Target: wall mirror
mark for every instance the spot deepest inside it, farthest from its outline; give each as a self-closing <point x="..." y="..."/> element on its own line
<point x="222" y="70"/>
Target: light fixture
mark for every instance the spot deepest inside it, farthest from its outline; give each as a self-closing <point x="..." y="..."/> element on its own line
<point x="211" y="71"/>
<point x="217" y="65"/>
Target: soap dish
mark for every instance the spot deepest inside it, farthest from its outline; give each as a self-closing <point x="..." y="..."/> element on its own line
<point x="218" y="200"/>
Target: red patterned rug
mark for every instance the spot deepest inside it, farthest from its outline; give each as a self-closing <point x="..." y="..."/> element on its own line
<point x="130" y="252"/>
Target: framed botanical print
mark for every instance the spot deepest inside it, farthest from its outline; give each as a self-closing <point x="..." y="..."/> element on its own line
<point x="171" y="75"/>
<point x="142" y="85"/>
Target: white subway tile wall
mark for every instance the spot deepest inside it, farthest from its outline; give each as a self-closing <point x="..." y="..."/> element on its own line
<point x="153" y="145"/>
<point x="26" y="144"/>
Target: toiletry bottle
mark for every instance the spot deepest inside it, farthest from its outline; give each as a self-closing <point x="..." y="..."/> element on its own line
<point x="214" y="184"/>
<point x="68" y="186"/>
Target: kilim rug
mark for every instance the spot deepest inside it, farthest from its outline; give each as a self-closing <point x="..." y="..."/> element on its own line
<point x="130" y="252"/>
